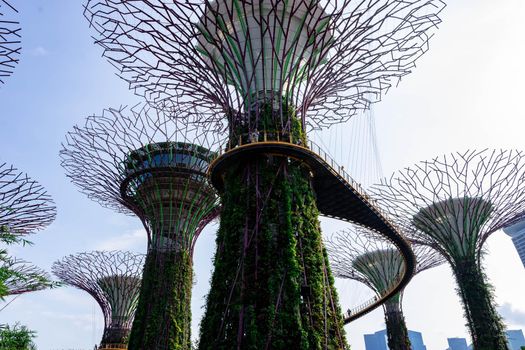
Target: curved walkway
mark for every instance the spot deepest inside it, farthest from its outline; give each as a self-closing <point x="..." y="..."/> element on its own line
<point x="338" y="196"/>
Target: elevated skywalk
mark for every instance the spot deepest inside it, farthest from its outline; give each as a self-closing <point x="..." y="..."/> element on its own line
<point x="338" y="196"/>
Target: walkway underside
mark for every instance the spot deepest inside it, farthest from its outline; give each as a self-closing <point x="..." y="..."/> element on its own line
<point x="338" y="196"/>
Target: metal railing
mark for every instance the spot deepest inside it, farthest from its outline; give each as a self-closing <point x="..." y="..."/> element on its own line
<point x="287" y="138"/>
<point x="356" y="309"/>
<point x="112" y="346"/>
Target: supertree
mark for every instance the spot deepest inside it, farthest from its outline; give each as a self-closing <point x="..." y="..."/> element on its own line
<point x="154" y="167"/>
<point x="452" y="204"/>
<point x="9" y="40"/>
<point x="265" y="70"/>
<point x="18" y="277"/>
<point x="113" y="279"/>
<point x="362" y="255"/>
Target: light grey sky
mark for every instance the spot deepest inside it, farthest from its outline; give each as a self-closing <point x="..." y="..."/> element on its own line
<point x="465" y="93"/>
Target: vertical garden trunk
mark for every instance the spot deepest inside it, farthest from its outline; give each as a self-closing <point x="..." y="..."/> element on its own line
<point x="271" y="287"/>
<point x="396" y="328"/>
<point x="485" y="324"/>
<point x="163" y="317"/>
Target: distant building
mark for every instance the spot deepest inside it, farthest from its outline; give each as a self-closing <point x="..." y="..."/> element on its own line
<point x="378" y="341"/>
<point x="515" y="339"/>
<point x="517" y="232"/>
<point x="457" y="344"/>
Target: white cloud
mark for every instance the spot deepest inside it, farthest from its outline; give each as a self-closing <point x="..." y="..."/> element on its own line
<point x="135" y="240"/>
<point x="512" y="315"/>
<point x="39" y="51"/>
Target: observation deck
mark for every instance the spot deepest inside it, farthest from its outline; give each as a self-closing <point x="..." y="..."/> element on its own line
<point x="166" y="183"/>
<point x="338" y="196"/>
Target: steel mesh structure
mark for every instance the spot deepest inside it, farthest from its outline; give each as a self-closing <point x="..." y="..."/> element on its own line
<point x="25" y="206"/>
<point x="149" y="165"/>
<point x="327" y="59"/>
<point x="363" y="255"/>
<point x="9" y="39"/>
<point x="21" y="277"/>
<point x="453" y="204"/>
<point x="113" y="279"/>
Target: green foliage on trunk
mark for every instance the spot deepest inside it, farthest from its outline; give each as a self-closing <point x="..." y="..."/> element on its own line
<point x="271" y="287"/>
<point x="396" y="329"/>
<point x="16" y="338"/>
<point x="484" y="322"/>
<point x="163" y="317"/>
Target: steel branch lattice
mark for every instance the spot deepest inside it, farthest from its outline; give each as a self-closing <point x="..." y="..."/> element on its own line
<point x="133" y="163"/>
<point x="454" y="202"/>
<point x="23" y="277"/>
<point x="365" y="256"/>
<point x="328" y="59"/>
<point x="25" y="206"/>
<point x="9" y="40"/>
<point x="111" y="278"/>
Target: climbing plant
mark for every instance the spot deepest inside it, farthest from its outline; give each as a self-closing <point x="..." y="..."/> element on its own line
<point x="163" y="317"/>
<point x="16" y="337"/>
<point x="271" y="286"/>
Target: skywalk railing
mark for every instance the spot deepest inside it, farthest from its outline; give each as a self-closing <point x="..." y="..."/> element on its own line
<point x="357" y="309"/>
<point x="339" y="171"/>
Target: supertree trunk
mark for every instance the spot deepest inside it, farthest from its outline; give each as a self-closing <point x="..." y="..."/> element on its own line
<point x="396" y="328"/>
<point x="163" y="318"/>
<point x="485" y="324"/>
<point x="115" y="336"/>
<point x="271" y="287"/>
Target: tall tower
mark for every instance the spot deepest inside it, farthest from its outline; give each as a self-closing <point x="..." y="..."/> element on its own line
<point x="113" y="280"/>
<point x="453" y="204"/>
<point x="369" y="258"/>
<point x="267" y="71"/>
<point x="517" y="232"/>
<point x="153" y="167"/>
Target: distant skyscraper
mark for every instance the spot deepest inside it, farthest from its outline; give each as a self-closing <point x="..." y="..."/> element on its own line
<point x="457" y="344"/>
<point x="515" y="338"/>
<point x="517" y="232"/>
<point x="378" y="341"/>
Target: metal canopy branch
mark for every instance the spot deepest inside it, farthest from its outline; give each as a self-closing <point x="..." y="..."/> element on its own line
<point x="328" y="59"/>
<point x="25" y="206"/>
<point x="365" y="256"/>
<point x="454" y="202"/>
<point x="22" y="277"/>
<point x="129" y="160"/>
<point x="9" y="39"/>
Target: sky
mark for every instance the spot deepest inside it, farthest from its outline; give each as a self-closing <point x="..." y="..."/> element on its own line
<point x="465" y="93"/>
